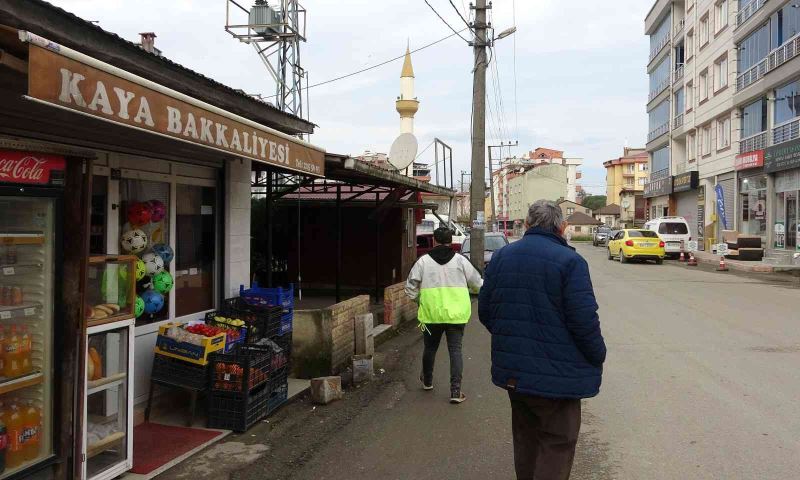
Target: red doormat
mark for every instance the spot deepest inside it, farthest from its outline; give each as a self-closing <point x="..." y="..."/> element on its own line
<point x="155" y="445"/>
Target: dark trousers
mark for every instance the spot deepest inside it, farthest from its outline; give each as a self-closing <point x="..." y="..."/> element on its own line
<point x="545" y="434"/>
<point x="432" y="337"/>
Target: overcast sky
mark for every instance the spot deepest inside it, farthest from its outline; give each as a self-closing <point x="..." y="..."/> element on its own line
<point x="580" y="70"/>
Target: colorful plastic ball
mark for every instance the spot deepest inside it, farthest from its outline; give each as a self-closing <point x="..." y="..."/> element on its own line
<point x="157" y="210"/>
<point x="134" y="241"/>
<point x="141" y="271"/>
<point x="162" y="282"/>
<point x="139" y="213"/>
<point x="152" y="263"/>
<point x="153" y="301"/>
<point x="164" y="251"/>
<point x="138" y="307"/>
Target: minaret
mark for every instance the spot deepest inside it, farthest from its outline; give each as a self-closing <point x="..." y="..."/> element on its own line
<point x="407" y="104"/>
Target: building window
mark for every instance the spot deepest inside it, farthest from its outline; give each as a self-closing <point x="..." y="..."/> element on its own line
<point x="689" y="100"/>
<point x="721" y="15"/>
<point x="660" y="160"/>
<point x="703" y="79"/>
<point x="787" y="103"/>
<point x="723" y="133"/>
<point x="680" y="100"/>
<point x="689" y="44"/>
<point x="570" y="210"/>
<point x="754" y="118"/>
<point x="705" y="140"/>
<point x="629" y="169"/>
<point x="642" y="182"/>
<point x="577" y="229"/>
<point x="691" y="147"/>
<point x="721" y="73"/>
<point x="704" y="31"/>
<point x="753" y="49"/>
<point x="642" y="167"/>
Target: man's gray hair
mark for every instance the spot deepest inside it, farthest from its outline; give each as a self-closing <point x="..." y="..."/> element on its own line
<point x="545" y="215"/>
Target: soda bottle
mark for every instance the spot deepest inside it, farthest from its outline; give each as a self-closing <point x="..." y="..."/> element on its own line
<point x="32" y="417"/>
<point x="25" y="347"/>
<point x="2" y="350"/>
<point x="11" y="363"/>
<point x="15" y="425"/>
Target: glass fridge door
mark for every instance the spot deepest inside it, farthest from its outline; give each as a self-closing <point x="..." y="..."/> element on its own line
<point x="27" y="268"/>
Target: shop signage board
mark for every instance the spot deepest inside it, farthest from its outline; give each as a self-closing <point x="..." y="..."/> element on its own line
<point x="692" y="246"/>
<point x="106" y="92"/>
<point x="722" y="249"/>
<point x="701" y="216"/>
<point x="785" y="156"/>
<point x="721" y="205"/>
<point x="657" y="188"/>
<point x="685" y="182"/>
<point x="31" y="168"/>
<point x="749" y="160"/>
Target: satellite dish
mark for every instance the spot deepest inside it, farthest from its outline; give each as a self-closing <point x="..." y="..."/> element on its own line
<point x="404" y="151"/>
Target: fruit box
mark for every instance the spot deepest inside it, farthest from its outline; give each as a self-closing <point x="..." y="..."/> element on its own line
<point x="185" y="351"/>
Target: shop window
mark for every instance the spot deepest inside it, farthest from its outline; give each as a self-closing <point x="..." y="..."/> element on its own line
<point x="144" y="224"/>
<point x="753" y="205"/>
<point x="99" y="226"/>
<point x="195" y="249"/>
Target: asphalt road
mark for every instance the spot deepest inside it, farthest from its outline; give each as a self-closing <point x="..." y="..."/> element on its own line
<point x="702" y="382"/>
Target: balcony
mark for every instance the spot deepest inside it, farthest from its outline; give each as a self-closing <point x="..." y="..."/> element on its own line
<point x="659" y="88"/>
<point x="663" y="129"/>
<point x="753" y="143"/>
<point x="677" y="74"/>
<point x="777" y="57"/>
<point x="747" y="12"/>
<point x="659" y="46"/>
<point x="679" y="28"/>
<point x="751" y="75"/>
<point x="786" y="131"/>
<point x="677" y="122"/>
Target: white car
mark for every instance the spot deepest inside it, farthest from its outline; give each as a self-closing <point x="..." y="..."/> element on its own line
<point x="674" y="231"/>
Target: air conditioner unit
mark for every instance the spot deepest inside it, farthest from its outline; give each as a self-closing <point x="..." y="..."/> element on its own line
<point x="267" y="19"/>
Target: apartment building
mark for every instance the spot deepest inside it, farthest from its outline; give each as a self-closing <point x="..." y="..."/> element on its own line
<point x="626" y="178"/>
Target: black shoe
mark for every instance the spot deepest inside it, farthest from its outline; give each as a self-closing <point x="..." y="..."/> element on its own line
<point x="426" y="385"/>
<point x="457" y="396"/>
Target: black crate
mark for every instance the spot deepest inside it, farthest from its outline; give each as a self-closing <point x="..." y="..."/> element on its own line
<point x="250" y="331"/>
<point x="277" y="397"/>
<point x="267" y="319"/>
<point x="243" y="370"/>
<point x="237" y="412"/>
<point x="171" y="371"/>
<point x="281" y="348"/>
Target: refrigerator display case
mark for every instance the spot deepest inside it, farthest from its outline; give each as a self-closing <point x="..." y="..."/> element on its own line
<point x="110" y="289"/>
<point x="29" y="265"/>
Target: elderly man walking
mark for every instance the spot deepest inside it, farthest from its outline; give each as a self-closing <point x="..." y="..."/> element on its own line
<point x="538" y="303"/>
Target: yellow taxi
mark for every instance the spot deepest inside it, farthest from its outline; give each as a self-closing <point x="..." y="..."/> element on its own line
<point x="635" y="244"/>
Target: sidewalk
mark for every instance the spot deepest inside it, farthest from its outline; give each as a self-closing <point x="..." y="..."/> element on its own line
<point x="709" y="258"/>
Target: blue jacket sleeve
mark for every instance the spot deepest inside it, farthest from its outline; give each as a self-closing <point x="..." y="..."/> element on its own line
<point x="484" y="306"/>
<point x="580" y="312"/>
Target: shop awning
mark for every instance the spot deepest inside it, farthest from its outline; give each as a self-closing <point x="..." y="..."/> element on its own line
<point x="350" y="170"/>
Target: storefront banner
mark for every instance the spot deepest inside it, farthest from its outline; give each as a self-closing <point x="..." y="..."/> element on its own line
<point x="785" y="156"/>
<point x="721" y="205"/>
<point x="749" y="160"/>
<point x="780" y="235"/>
<point x="30" y="168"/>
<point x="114" y="95"/>
<point x="658" y="188"/>
<point x="685" y="182"/>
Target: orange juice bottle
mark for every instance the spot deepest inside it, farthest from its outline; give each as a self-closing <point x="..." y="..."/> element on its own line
<point x="11" y="363"/>
<point x="25" y="347"/>
<point x="32" y="417"/>
<point x="15" y="425"/>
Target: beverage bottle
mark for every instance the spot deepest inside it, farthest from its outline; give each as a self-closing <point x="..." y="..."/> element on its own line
<point x="33" y="431"/>
<point x="11" y="364"/>
<point x="16" y="296"/>
<point x="11" y="254"/>
<point x="15" y="425"/>
<point x="3" y="438"/>
<point x="25" y="347"/>
<point x="3" y="295"/>
<point x="2" y="351"/>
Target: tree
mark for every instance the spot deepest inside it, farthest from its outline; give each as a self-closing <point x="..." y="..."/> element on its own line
<point x="594" y="202"/>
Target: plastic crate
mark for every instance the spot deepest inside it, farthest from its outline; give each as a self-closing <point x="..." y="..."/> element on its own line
<point x="246" y="332"/>
<point x="286" y="322"/>
<point x="176" y="372"/>
<point x="185" y="351"/>
<point x="265" y="319"/>
<point x="277" y="397"/>
<point x="281" y="348"/>
<point x="237" y="412"/>
<point x="242" y="371"/>
<point x="255" y="295"/>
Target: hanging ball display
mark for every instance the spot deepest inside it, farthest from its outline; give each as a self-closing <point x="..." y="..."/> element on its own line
<point x="134" y="241"/>
<point x="153" y="301"/>
<point x="139" y="213"/>
<point x="162" y="282"/>
<point x="141" y="271"/>
<point x="164" y="251"/>
<point x="152" y="263"/>
<point x="157" y="210"/>
<point x="138" y="307"/>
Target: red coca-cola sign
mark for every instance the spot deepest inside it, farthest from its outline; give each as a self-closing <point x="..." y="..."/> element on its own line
<point x="29" y="168"/>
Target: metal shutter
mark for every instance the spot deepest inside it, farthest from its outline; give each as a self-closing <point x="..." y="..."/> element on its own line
<point x="687" y="208"/>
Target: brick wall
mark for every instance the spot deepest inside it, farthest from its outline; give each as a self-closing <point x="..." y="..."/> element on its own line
<point x="342" y="324"/>
<point x="397" y="307"/>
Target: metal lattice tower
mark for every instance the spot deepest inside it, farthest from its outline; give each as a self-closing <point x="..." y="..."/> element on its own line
<point x="275" y="32"/>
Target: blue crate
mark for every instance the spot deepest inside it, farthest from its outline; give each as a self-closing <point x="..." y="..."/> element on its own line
<point x="281" y="297"/>
<point x="286" y="322"/>
<point x="278" y="397"/>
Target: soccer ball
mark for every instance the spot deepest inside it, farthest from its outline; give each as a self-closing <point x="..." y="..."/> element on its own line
<point x="139" y="214"/>
<point x="157" y="210"/>
<point x="153" y="301"/>
<point x="134" y="241"/>
<point x="164" y="251"/>
<point x="152" y="263"/>
<point x="138" y="307"/>
<point x="162" y="282"/>
<point x="141" y="271"/>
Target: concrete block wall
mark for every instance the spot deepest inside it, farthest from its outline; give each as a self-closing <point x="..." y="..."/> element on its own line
<point x="397" y="307"/>
<point x="343" y="316"/>
<point x="237" y="226"/>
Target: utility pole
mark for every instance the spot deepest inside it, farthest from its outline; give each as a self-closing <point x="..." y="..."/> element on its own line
<point x="478" y="181"/>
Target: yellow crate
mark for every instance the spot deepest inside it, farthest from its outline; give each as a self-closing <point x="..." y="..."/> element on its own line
<point x="188" y="352"/>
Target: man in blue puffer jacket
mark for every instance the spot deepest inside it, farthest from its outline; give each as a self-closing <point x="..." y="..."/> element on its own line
<point x="538" y="303"/>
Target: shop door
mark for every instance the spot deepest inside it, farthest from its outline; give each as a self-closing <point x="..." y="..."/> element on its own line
<point x="791" y="221"/>
<point x="687" y="208"/>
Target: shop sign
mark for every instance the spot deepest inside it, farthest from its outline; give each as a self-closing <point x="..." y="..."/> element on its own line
<point x="785" y="156"/>
<point x="685" y="182"/>
<point x="658" y="188"/>
<point x="701" y="216"/>
<point x="136" y="102"/>
<point x="749" y="160"/>
<point x="31" y="168"/>
<point x="721" y="206"/>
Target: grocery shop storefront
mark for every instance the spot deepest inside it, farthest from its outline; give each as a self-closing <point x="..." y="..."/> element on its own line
<point x="658" y="195"/>
<point x="782" y="162"/>
<point x="753" y="199"/>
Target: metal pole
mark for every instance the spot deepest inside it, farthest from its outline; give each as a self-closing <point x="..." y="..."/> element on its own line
<point x="478" y="184"/>
<point x="452" y="178"/>
<point x="269" y="229"/>
<point x="436" y="159"/>
<point x="377" y="250"/>
<point x="338" y="243"/>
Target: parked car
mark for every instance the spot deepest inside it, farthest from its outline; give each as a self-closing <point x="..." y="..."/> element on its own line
<point x="425" y="244"/>
<point x="600" y="236"/>
<point x="634" y="244"/>
<point x="674" y="231"/>
<point x="492" y="242"/>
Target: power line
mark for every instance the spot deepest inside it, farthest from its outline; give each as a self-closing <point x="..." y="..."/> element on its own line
<point x="516" y="102"/>
<point x="445" y="22"/>
<point x="459" y="14"/>
<point x="426" y="149"/>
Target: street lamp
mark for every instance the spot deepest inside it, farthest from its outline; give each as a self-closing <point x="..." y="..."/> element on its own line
<point x="505" y="33"/>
